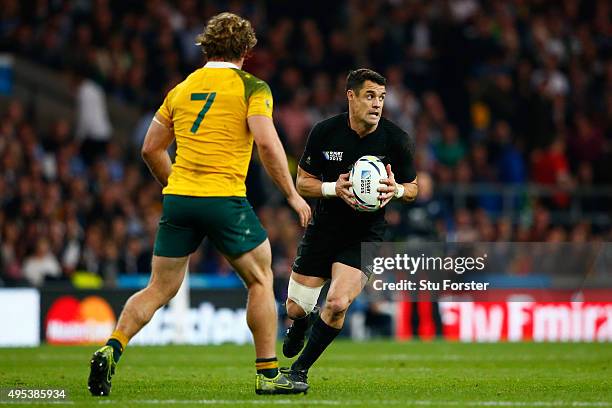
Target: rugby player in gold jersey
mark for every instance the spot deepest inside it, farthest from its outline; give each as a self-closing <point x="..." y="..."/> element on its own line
<point x="214" y="115"/>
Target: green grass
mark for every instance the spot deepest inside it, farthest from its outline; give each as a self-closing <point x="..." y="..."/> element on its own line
<point x="373" y="374"/>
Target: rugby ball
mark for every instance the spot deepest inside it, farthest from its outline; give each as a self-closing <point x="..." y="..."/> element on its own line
<point x="365" y="176"/>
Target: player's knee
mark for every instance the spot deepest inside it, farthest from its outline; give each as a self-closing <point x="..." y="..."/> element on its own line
<point x="171" y="292"/>
<point x="163" y="293"/>
<point x="259" y="277"/>
<point x="301" y="299"/>
<point x="294" y="311"/>
<point x="337" y="305"/>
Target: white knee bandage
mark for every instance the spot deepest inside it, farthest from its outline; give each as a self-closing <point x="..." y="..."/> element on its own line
<point x="304" y="296"/>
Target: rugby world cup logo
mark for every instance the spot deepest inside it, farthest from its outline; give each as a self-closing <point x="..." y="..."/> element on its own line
<point x="366" y="175"/>
<point x="333" y="156"/>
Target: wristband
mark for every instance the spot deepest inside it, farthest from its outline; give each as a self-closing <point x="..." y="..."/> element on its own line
<point x="328" y="189"/>
<point x="399" y="190"/>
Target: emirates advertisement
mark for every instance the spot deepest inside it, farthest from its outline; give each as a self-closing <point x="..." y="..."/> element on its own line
<point x="507" y="321"/>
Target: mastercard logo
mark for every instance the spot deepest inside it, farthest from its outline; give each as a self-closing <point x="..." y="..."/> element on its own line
<point x="74" y="321"/>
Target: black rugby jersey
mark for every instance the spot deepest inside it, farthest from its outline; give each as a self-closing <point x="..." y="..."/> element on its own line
<point x="333" y="147"/>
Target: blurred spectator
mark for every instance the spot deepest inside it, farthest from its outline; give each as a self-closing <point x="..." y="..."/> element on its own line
<point x="93" y="250"/>
<point x="450" y="150"/>
<point x="549" y="79"/>
<point x="586" y="144"/>
<point x="295" y="122"/>
<point x="42" y="264"/>
<point x="10" y="262"/>
<point x="420" y="217"/>
<point x="507" y="155"/>
<point x="93" y="127"/>
<point x="133" y="259"/>
<point x="464" y="230"/>
<point x="109" y="267"/>
<point x="550" y="167"/>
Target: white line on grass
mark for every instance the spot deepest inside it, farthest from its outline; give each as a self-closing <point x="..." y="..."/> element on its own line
<point x="342" y="357"/>
<point x="458" y="357"/>
<point x="262" y="401"/>
<point x="36" y="402"/>
<point x="269" y="401"/>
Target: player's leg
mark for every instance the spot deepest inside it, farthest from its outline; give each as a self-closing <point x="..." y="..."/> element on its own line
<point x="166" y="278"/>
<point x="302" y="297"/>
<point x="237" y="233"/>
<point x="255" y="269"/>
<point x="309" y="272"/>
<point x="346" y="284"/>
<point x="176" y="238"/>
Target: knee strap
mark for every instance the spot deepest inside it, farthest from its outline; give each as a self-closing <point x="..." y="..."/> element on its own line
<point x="304" y="296"/>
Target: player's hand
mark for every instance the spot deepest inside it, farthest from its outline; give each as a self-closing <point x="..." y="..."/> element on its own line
<point x="343" y="189"/>
<point x="388" y="188"/>
<point x="301" y="207"/>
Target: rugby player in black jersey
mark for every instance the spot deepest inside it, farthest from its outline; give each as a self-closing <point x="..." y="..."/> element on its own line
<point x="331" y="246"/>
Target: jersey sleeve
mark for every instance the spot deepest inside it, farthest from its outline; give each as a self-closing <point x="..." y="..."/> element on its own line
<point x="165" y="110"/>
<point x="403" y="158"/>
<point x="260" y="101"/>
<point x="312" y="158"/>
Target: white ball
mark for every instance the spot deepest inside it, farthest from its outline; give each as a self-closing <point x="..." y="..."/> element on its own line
<point x="365" y="176"/>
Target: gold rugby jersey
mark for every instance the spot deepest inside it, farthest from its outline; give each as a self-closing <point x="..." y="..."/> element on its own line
<point x="209" y="112"/>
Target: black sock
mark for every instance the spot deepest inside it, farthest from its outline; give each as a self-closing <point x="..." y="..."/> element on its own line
<point x="267" y="366"/>
<point x="117" y="349"/>
<point x="301" y="324"/>
<point x="320" y="337"/>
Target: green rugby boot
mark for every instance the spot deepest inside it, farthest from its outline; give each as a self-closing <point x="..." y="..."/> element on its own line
<point x="278" y="385"/>
<point x="101" y="369"/>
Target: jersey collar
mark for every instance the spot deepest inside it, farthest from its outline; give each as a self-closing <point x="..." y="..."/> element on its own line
<point x="220" y="64"/>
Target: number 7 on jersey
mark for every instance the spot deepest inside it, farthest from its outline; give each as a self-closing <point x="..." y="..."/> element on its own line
<point x="209" y="98"/>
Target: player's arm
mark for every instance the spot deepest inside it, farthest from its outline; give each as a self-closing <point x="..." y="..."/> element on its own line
<point x="272" y="155"/>
<point x="411" y="190"/>
<point x="310" y="186"/>
<point x="390" y="190"/>
<point x="406" y="192"/>
<point x="155" y="148"/>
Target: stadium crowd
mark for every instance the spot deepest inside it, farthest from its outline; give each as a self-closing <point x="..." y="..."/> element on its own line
<point x="503" y="92"/>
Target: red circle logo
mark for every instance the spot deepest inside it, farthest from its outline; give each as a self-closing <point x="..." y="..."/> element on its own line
<point x="70" y="321"/>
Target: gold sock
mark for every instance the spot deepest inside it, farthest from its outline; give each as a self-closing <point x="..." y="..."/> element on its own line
<point x="121" y="338"/>
<point x="266" y="365"/>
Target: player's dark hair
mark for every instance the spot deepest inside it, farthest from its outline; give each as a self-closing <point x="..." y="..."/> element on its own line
<point x="355" y="79"/>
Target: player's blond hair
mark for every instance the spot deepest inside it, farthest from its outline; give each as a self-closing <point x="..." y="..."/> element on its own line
<point x="227" y="36"/>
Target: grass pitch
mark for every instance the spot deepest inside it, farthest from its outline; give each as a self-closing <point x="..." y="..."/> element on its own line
<point x="372" y="374"/>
